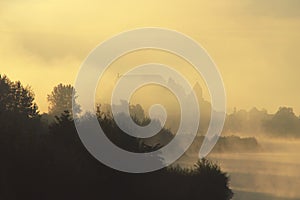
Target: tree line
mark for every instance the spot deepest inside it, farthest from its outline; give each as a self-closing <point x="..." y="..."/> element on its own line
<point x="284" y="123"/>
<point x="42" y="157"/>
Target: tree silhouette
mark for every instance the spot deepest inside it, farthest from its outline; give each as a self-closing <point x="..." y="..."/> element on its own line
<point x="52" y="163"/>
<point x="61" y="99"/>
<point x="283" y="123"/>
<point x="18" y="112"/>
<point x="19" y="124"/>
<point x="216" y="180"/>
<point x="16" y="98"/>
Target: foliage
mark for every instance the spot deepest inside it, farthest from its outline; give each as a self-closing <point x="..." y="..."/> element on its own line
<point x="284" y="123"/>
<point x="52" y="163"/>
<point x="18" y="113"/>
<point x="17" y="99"/>
<point x="61" y="99"/>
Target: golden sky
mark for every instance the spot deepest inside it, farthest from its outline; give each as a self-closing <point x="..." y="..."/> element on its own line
<point x="255" y="43"/>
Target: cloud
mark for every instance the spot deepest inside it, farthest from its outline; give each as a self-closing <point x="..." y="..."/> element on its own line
<point x="273" y="8"/>
<point x="51" y="47"/>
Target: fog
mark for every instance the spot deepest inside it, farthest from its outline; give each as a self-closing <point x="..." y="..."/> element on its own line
<point x="272" y="173"/>
<point x="260" y="151"/>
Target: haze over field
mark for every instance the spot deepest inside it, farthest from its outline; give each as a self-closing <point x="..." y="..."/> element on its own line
<point x="268" y="174"/>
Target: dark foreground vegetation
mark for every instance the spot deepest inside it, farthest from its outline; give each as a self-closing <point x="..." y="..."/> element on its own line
<point x="48" y="161"/>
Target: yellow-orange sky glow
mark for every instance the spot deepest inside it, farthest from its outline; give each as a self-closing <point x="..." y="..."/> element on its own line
<point x="254" y="43"/>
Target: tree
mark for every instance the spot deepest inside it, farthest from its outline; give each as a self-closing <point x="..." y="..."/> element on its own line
<point x="61" y="99"/>
<point x="17" y="98"/>
<point x="17" y="107"/>
<point x="283" y="123"/>
<point x="19" y="122"/>
<point x="216" y="184"/>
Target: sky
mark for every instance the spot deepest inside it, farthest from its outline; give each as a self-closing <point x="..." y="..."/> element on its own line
<point x="255" y="43"/>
